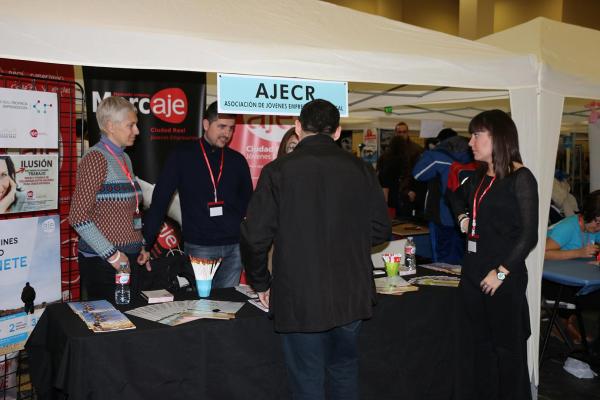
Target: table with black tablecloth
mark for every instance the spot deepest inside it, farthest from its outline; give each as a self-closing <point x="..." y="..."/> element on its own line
<point x="408" y="350"/>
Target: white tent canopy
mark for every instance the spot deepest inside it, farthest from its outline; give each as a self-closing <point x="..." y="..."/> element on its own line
<point x="568" y="54"/>
<point x="291" y="38"/>
<point x="565" y="70"/>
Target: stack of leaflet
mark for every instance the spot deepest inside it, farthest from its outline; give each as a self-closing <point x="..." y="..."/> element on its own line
<point x="395" y="285"/>
<point x="253" y="296"/>
<point x="443" y="267"/>
<point x="157" y="296"/>
<point x="101" y="316"/>
<point x="180" y="312"/>
<point x="441" y="280"/>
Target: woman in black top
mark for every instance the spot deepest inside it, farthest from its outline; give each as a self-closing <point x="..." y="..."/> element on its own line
<point x="498" y="209"/>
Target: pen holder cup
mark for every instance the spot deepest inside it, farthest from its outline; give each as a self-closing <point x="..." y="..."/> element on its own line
<point x="391" y="269"/>
<point x="204" y="287"/>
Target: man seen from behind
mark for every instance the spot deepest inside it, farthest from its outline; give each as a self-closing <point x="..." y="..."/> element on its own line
<point x="323" y="210"/>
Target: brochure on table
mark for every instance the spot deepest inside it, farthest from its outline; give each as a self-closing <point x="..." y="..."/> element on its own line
<point x="101" y="316"/>
<point x="179" y="312"/>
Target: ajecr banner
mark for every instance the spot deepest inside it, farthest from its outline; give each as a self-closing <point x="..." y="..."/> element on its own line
<point x="28" y="119"/>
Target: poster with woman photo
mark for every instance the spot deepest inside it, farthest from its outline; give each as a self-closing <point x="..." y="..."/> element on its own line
<point x="28" y="182"/>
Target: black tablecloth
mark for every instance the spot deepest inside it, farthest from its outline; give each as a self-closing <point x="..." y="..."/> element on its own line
<point x="409" y="350"/>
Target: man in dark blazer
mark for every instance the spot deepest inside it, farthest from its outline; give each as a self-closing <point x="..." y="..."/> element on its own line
<point x="322" y="209"/>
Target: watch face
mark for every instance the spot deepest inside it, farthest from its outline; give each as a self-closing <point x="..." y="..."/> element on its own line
<point x="501" y="275"/>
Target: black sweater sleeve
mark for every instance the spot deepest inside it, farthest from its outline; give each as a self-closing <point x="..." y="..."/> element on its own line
<point x="258" y="230"/>
<point x="161" y="197"/>
<point x="527" y="210"/>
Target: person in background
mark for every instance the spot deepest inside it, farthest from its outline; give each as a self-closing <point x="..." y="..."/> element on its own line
<point x="323" y="209"/>
<point x="447" y="242"/>
<point x="11" y="197"/>
<point x="394" y="177"/>
<point x="562" y="198"/>
<point x="288" y="142"/>
<point x="105" y="210"/>
<point x="577" y="236"/>
<point x="411" y="192"/>
<point x="214" y="186"/>
<point x="498" y="209"/>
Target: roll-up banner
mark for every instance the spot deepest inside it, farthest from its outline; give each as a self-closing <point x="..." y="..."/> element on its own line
<point x="170" y="107"/>
<point x="257" y="137"/>
<point x="29" y="275"/>
<point x="58" y="79"/>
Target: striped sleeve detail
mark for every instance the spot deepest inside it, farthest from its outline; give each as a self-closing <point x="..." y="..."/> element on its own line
<point x="91" y="175"/>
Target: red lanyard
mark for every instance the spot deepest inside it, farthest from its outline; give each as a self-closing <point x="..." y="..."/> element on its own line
<point x="476" y="203"/>
<point x="210" y="171"/>
<point x="125" y="170"/>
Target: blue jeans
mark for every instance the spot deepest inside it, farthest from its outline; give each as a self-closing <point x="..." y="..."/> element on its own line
<point x="228" y="274"/>
<point x="308" y="356"/>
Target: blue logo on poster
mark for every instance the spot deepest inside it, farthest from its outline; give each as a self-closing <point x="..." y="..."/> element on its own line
<point x="246" y="94"/>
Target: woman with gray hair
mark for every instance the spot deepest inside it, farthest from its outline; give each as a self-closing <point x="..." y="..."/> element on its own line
<point x="105" y="210"/>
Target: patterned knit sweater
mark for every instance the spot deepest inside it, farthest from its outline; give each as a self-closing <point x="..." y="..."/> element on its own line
<point x="103" y="204"/>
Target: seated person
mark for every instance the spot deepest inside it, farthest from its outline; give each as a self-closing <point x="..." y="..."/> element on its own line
<point x="576" y="236"/>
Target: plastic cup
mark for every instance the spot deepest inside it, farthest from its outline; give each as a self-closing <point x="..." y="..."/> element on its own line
<point x="204" y="286"/>
<point x="391" y="269"/>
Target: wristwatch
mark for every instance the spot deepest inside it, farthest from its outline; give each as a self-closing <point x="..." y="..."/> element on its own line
<point x="500" y="275"/>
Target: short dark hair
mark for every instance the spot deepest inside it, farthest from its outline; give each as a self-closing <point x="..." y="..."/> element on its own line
<point x="212" y="113"/>
<point x="446" y="133"/>
<point x="401" y="123"/>
<point x="505" y="139"/>
<point x="591" y="206"/>
<point x="319" y="116"/>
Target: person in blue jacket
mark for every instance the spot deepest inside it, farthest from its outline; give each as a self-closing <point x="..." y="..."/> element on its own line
<point x="447" y="242"/>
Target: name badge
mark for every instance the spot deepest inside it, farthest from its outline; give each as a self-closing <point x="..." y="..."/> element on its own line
<point x="472" y="246"/>
<point x="215" y="209"/>
<point x="137" y="223"/>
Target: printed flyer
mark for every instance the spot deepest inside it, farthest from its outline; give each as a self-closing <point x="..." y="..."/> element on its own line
<point x="29" y="276"/>
<point x="28" y="183"/>
<point x="29" y="119"/>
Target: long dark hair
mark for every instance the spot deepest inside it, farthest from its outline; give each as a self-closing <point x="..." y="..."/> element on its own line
<point x="10" y="166"/>
<point x="505" y="139"/>
<point x="284" y="141"/>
